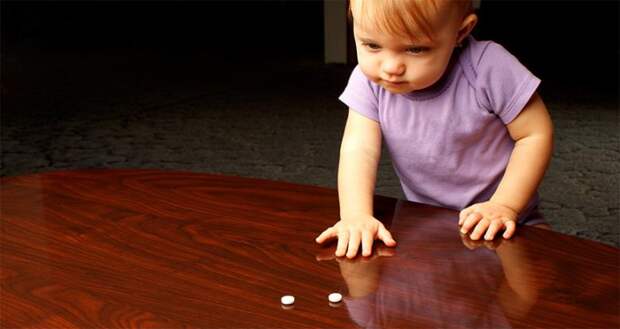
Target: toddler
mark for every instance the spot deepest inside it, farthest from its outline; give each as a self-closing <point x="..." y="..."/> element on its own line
<point x="461" y="119"/>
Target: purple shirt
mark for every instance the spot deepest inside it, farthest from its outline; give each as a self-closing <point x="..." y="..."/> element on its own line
<point x="449" y="143"/>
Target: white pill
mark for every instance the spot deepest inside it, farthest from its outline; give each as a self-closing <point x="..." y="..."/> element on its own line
<point x="335" y="297"/>
<point x="287" y="300"/>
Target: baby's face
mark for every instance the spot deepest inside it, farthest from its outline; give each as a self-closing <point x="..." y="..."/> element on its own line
<point x="401" y="65"/>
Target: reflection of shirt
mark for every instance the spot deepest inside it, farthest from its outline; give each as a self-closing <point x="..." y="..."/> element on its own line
<point x="432" y="283"/>
<point x="449" y="143"/>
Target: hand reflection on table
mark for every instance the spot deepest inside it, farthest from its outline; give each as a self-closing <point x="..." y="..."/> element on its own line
<point x="439" y="278"/>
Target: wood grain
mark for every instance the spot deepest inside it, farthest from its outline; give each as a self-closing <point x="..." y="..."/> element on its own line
<point x="165" y="249"/>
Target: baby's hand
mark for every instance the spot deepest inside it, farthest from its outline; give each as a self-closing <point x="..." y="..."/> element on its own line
<point x="381" y="251"/>
<point x="489" y="217"/>
<point x="352" y="232"/>
<point x="472" y="245"/>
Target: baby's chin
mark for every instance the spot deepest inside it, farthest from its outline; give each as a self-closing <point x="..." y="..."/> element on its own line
<point x="405" y="88"/>
<point x="398" y="89"/>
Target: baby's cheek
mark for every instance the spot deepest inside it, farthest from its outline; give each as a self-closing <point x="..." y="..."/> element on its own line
<point x="426" y="73"/>
<point x="369" y="71"/>
<point x="423" y="79"/>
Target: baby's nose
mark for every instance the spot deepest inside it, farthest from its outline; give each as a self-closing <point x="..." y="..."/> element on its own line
<point x="393" y="67"/>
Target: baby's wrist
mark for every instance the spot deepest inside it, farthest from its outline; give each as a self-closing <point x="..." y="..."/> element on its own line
<point x="505" y="204"/>
<point x="354" y="215"/>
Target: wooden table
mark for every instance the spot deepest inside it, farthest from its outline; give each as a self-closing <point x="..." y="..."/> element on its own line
<point x="162" y="249"/>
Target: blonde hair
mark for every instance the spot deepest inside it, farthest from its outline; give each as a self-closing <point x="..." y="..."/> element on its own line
<point x="408" y="18"/>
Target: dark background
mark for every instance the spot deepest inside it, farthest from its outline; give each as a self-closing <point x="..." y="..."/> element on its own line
<point x="574" y="43"/>
<point x="240" y="88"/>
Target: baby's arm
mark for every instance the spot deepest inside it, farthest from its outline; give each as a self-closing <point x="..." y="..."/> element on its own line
<point x="359" y="157"/>
<point x="524" y="282"/>
<point x="532" y="131"/>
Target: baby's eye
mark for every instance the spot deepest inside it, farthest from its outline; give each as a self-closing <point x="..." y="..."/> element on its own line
<point x="417" y="50"/>
<point x="372" y="46"/>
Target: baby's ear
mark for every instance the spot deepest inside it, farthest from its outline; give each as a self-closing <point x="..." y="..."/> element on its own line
<point x="466" y="27"/>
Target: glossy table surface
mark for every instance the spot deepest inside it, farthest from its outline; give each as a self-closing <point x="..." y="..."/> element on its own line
<point x="165" y="249"/>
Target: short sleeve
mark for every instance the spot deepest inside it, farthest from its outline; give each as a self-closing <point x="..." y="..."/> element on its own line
<point x="360" y="95"/>
<point x="503" y="84"/>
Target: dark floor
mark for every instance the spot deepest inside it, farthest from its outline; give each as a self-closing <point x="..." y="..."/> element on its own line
<point x="274" y="119"/>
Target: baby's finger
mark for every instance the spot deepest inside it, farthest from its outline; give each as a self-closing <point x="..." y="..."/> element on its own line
<point x="343" y="242"/>
<point x="367" y="240"/>
<point x="384" y="235"/>
<point x="354" y="243"/>
<point x="463" y="215"/>
<point x="471" y="220"/>
<point x="493" y="244"/>
<point x="482" y="226"/>
<point x="467" y="242"/>
<point x="385" y="251"/>
<point x="493" y="229"/>
<point x="511" y="227"/>
<point x="326" y="235"/>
